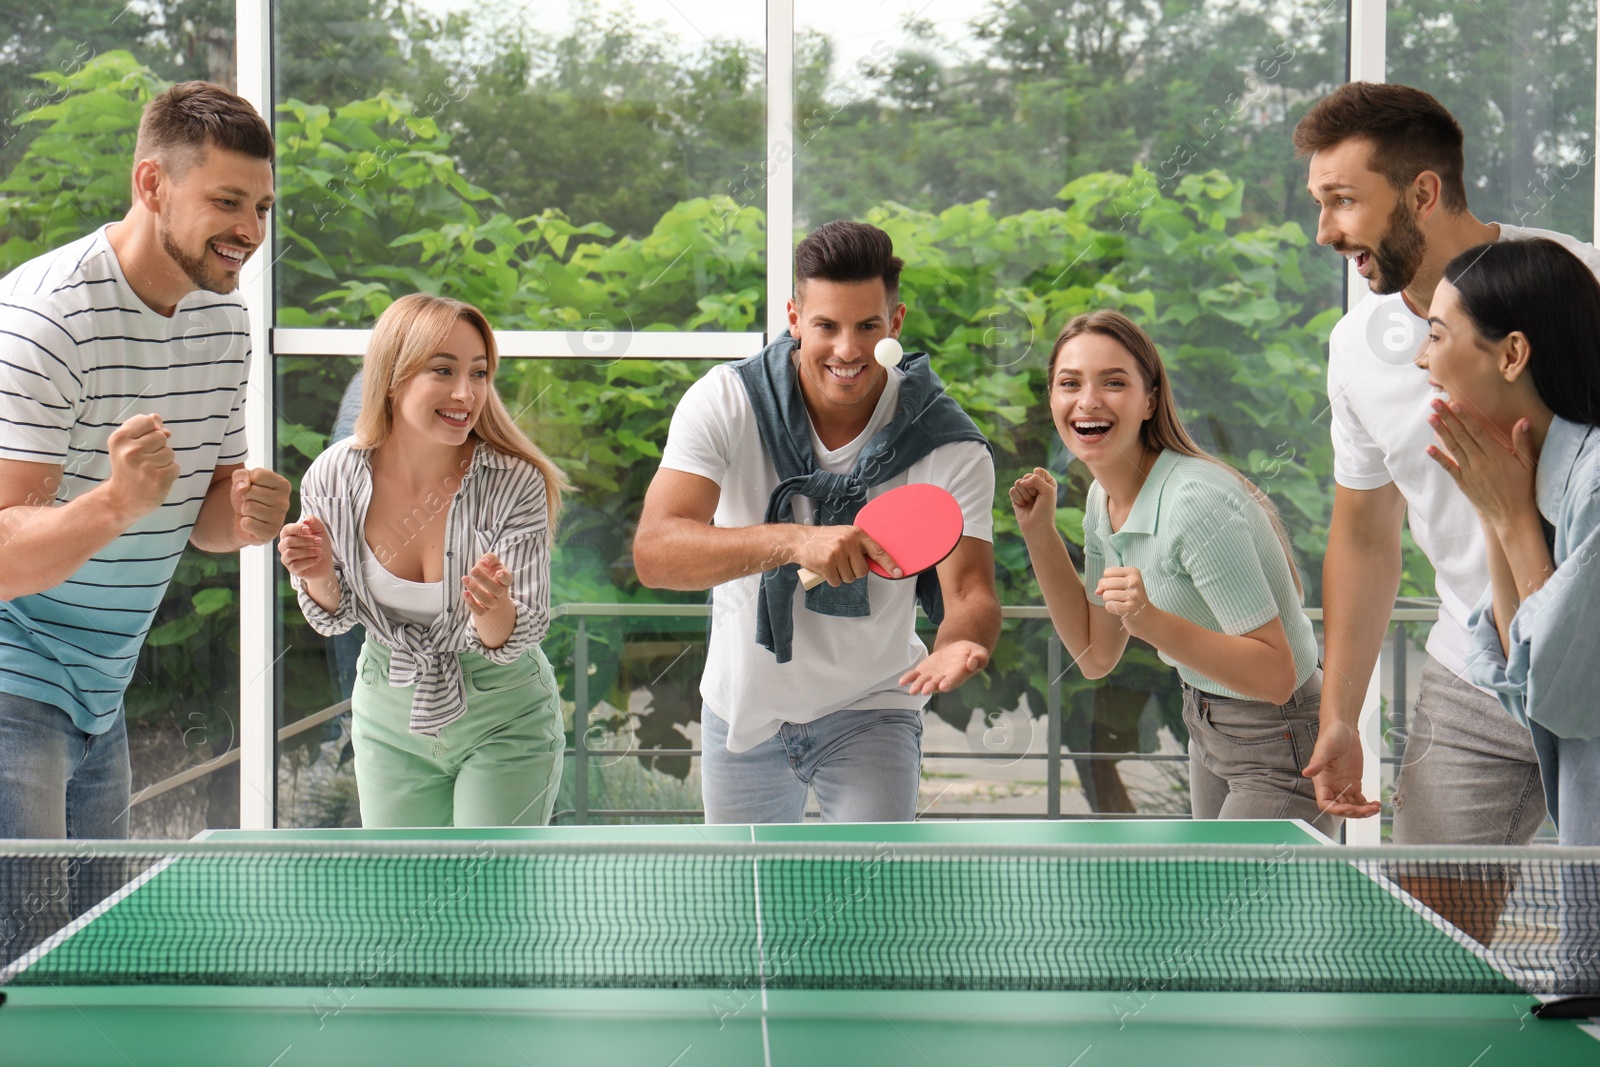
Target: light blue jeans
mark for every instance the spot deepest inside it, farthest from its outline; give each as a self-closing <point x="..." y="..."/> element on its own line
<point x="57" y="781"/>
<point x="864" y="765"/>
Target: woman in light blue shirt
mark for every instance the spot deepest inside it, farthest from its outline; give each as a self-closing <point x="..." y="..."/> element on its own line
<point x="1514" y="345"/>
<point x="1184" y="553"/>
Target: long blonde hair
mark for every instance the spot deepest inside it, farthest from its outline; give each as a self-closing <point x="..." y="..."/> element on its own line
<point x="409" y="333"/>
<point x="1163" y="429"/>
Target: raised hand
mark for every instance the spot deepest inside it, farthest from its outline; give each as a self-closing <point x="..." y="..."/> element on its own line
<point x="143" y="465"/>
<point x="303" y="547"/>
<point x="260" y="501"/>
<point x="1033" y="498"/>
<point x="1496" y="475"/>
<point x="1122" y="589"/>
<point x="487" y="586"/>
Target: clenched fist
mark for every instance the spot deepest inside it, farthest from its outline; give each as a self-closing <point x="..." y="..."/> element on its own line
<point x="143" y="465"/>
<point x="1033" y="498"/>
<point x="260" y="501"/>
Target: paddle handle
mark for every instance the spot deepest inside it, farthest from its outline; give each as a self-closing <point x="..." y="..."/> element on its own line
<point x="809" y="578"/>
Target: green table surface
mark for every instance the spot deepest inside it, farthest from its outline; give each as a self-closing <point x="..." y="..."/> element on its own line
<point x="283" y="1026"/>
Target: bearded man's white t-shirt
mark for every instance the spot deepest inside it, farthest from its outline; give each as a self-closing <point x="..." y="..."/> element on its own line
<point x="1380" y="405"/>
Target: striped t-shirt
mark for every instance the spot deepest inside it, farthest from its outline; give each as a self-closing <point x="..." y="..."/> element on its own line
<point x="1207" y="552"/>
<point x="80" y="354"/>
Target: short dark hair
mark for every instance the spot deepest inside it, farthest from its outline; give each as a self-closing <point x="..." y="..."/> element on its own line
<point x="1408" y="129"/>
<point x="182" y="122"/>
<point x="844" y="251"/>
<point x="1550" y="295"/>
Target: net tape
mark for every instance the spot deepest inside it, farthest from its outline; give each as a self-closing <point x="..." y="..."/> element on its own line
<point x="801" y="915"/>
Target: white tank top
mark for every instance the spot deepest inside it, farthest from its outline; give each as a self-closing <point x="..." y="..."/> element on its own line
<point x="414" y="602"/>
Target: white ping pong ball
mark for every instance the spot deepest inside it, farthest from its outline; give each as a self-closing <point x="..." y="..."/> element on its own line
<point x="888" y="352"/>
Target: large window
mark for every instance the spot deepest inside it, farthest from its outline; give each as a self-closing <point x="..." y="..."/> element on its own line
<point x="1520" y="78"/>
<point x="565" y="167"/>
<point x="582" y="173"/>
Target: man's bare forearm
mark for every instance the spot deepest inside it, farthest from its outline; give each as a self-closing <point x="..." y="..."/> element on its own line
<point x="679" y="553"/>
<point x="42" y="545"/>
<point x="1359" y="583"/>
<point x="974" y="618"/>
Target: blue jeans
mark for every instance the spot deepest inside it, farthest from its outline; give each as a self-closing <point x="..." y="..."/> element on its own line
<point x="864" y="765"/>
<point x="57" y="781"/>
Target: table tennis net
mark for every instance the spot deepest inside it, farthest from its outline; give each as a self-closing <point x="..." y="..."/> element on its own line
<point x="740" y="918"/>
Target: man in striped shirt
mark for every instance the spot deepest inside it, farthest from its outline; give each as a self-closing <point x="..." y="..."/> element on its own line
<point x="122" y="387"/>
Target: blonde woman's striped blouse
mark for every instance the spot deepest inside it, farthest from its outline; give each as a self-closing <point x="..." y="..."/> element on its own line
<point x="498" y="506"/>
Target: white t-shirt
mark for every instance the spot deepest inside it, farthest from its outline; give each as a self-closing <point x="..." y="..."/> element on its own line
<point x="1379" y="400"/>
<point x="839" y="663"/>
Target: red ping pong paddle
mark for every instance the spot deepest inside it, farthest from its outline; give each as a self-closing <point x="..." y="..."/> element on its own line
<point x="918" y="525"/>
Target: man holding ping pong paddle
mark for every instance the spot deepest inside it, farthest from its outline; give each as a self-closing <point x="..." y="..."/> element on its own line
<point x="768" y="463"/>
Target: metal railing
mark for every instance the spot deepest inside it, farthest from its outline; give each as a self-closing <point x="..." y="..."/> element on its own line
<point x="581" y="812"/>
<point x="1405" y="611"/>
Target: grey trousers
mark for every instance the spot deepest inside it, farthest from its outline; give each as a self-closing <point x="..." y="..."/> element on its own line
<point x="1245" y="756"/>
<point x="1470" y="775"/>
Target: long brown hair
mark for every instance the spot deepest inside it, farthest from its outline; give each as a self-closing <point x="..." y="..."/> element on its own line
<point x="1163" y="429"/>
<point x="406" y="336"/>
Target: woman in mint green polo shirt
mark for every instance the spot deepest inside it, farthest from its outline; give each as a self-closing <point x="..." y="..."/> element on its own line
<point x="1184" y="553"/>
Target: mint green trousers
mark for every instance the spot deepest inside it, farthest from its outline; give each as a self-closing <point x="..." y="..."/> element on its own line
<point x="499" y="764"/>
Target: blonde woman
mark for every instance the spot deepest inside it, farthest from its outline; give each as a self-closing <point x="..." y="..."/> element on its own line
<point x="431" y="527"/>
<point x="1182" y="552"/>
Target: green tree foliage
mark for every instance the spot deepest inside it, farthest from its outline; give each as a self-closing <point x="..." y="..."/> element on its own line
<point x="373" y="206"/>
<point x="607" y="122"/>
<point x="1227" y="297"/>
<point x="1520" y="78"/>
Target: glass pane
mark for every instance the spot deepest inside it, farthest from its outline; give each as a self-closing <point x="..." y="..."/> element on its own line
<point x="563" y="166"/>
<point x="66" y="151"/>
<point x="1033" y="160"/>
<point x="316" y="780"/>
<point x="1519" y="76"/>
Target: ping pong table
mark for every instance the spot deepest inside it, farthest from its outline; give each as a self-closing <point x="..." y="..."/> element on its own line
<point x="466" y="1016"/>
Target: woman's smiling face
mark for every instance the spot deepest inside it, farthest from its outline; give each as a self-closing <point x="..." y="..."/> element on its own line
<point x="1462" y="364"/>
<point x="1099" y="400"/>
